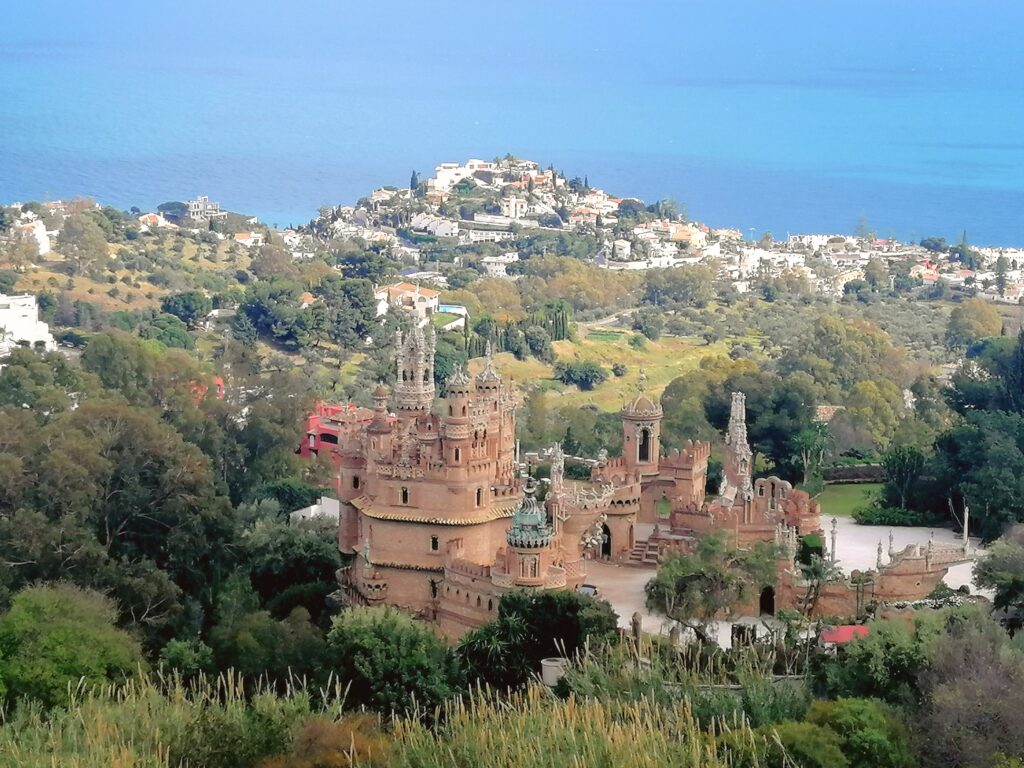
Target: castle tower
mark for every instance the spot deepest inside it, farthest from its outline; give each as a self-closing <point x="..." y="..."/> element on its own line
<point x="529" y="538"/>
<point x="414" y="382"/>
<point x="488" y="381"/>
<point x="738" y="456"/>
<point x="641" y="431"/>
<point x="457" y="417"/>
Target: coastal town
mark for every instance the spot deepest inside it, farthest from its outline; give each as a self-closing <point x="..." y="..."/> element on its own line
<point x="438" y="405"/>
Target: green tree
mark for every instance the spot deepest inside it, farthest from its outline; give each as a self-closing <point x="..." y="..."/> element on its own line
<point x="871" y="732"/>
<point x="970" y="709"/>
<point x="812" y="443"/>
<point x="1002" y="571"/>
<point x="586" y="374"/>
<point x="82" y="242"/>
<point x="188" y="658"/>
<point x="531" y="626"/>
<point x="971" y="321"/>
<point x="55" y="636"/>
<point x="982" y="460"/>
<point x="190" y="307"/>
<point x="389" y="662"/>
<point x="886" y="664"/>
<point x="1002" y="265"/>
<point x="876" y="275"/>
<point x="903" y="467"/>
<point x="692" y="589"/>
<point x="281" y="555"/>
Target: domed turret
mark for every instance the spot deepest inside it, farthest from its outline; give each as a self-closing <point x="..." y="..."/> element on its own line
<point x="641" y="430"/>
<point x="530" y="528"/>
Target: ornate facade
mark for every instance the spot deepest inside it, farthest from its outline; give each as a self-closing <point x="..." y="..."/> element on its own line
<point x="436" y="515"/>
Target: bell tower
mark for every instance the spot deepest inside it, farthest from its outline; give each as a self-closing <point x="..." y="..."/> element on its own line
<point x="414" y="382"/>
<point x="641" y="431"/>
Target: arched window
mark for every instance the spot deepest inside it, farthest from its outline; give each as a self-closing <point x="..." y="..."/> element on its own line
<point x="458" y="454"/>
<point x="478" y="601"/>
<point x="463" y="410"/>
<point x="479" y="496"/>
<point x="433" y="543"/>
<point x="355" y="481"/>
<point x="644" y="449"/>
<point x="490" y="605"/>
<point x="405" y="495"/>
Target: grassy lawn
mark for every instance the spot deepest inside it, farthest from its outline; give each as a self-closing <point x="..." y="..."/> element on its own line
<point x="663" y="361"/>
<point x="842" y="500"/>
<point x="442" y="319"/>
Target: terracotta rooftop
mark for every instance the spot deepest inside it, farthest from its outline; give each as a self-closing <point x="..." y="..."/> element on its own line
<point x="843" y="634"/>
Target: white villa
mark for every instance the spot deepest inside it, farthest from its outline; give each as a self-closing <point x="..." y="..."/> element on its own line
<point x="20" y="325"/>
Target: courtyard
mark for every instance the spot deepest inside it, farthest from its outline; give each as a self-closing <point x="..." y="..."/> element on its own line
<point x="856" y="549"/>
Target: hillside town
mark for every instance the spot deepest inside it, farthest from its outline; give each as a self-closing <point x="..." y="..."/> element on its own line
<point x="516" y="196"/>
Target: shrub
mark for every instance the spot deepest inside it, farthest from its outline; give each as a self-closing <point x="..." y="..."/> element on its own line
<point x="894" y="516"/>
<point x="324" y="743"/>
<point x="389" y="662"/>
<point x="189" y="658"/>
<point x="809" y="745"/>
<point x="871" y="733"/>
<point x="619" y="369"/>
<point x="532" y="626"/>
<point x="58" y="635"/>
<point x="586" y="375"/>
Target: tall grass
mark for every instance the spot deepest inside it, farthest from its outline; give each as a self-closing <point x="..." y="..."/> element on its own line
<point x="155" y="723"/>
<point x="612" y="714"/>
<point x="535" y="728"/>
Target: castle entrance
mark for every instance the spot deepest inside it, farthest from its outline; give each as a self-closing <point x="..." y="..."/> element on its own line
<point x="767" y="602"/>
<point x="606" y="541"/>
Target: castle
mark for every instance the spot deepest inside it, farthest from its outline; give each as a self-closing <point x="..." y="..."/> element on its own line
<point x="438" y="519"/>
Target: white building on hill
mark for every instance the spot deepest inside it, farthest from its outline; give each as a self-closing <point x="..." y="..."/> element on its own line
<point x="20" y="325"/>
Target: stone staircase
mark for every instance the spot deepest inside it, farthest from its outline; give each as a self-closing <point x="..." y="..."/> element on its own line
<point x="644" y="553"/>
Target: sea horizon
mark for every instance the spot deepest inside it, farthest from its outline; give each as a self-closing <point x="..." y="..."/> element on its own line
<point x="918" y="139"/>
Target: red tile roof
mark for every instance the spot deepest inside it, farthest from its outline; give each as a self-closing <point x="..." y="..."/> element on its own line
<point x="843" y="634"/>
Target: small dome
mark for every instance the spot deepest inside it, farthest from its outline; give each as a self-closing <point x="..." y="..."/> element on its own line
<point x="380" y="393"/>
<point x="530" y="528"/>
<point x="642" y="404"/>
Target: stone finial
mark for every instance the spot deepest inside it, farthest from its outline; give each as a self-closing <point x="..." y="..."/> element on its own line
<point x="892" y="546"/>
<point x="835" y="534"/>
<point x="642" y="380"/>
<point x="878" y="561"/>
<point x="557" y="468"/>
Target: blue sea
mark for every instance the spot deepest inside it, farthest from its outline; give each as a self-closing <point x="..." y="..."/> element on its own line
<point x="760" y="115"/>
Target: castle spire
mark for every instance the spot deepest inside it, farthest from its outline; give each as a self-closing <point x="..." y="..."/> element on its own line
<point x="414" y="381"/>
<point x="736" y="437"/>
<point x="738" y="464"/>
<point x="488" y="378"/>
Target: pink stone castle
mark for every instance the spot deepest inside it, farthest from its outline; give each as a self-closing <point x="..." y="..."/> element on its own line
<point x="435" y="511"/>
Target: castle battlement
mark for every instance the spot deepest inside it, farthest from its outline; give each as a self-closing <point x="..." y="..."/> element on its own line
<point x="691" y="455"/>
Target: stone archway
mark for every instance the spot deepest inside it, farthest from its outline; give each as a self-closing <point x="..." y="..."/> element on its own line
<point x="606" y="541"/>
<point x="766" y="603"/>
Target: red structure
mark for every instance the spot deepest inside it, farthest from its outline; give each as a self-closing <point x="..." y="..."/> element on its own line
<point x="201" y="387"/>
<point x="331" y="426"/>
